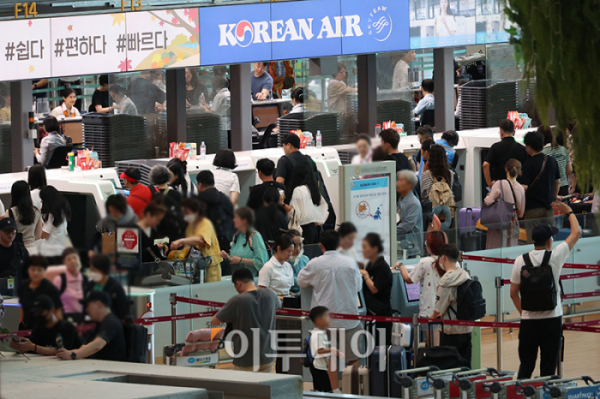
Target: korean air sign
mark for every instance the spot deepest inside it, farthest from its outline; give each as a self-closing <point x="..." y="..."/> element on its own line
<point x="301" y="29"/>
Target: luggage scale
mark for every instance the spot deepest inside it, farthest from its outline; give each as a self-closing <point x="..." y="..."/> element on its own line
<point x="520" y="389"/>
<point x="471" y="382"/>
<point x="568" y="389"/>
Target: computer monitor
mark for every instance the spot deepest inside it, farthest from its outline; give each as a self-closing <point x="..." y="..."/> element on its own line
<point x="413" y="292"/>
<point x="266" y="113"/>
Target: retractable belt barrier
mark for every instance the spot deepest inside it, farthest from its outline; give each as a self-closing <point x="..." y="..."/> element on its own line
<point x="23" y="333"/>
<point x="508" y="261"/>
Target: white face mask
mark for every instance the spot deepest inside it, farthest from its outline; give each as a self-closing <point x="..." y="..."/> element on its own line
<point x="294" y="258"/>
<point x="190" y="218"/>
<point x="95" y="276"/>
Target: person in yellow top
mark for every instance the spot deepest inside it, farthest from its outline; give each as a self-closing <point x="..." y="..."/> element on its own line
<point x="200" y="233"/>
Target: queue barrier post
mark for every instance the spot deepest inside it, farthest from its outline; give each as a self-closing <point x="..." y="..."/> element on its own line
<point x="417" y="336"/>
<point x="499" y="319"/>
<point x="173" y="301"/>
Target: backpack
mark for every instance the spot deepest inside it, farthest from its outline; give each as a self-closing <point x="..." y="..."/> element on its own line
<point x="136" y="342"/>
<point x="222" y="221"/>
<point x="456" y="186"/>
<point x="538" y="288"/>
<point x="470" y="304"/>
<point x="173" y="224"/>
<point x="63" y="282"/>
<point x="440" y="194"/>
<point x="331" y="219"/>
<point x="307" y="357"/>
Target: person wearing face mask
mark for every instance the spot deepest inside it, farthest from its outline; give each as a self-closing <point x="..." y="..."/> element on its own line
<point x="71" y="285"/>
<point x="102" y="281"/>
<point x="34" y="287"/>
<point x="277" y="274"/>
<point x="200" y="233"/>
<point x="153" y="214"/>
<point x="50" y="331"/>
<point x="298" y="260"/>
<point x="118" y="213"/>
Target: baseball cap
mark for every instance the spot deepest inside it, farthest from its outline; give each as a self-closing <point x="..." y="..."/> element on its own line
<point x="97" y="296"/>
<point x="8" y="223"/>
<point x="42" y="303"/>
<point x="132" y="175"/>
<point x="542" y="233"/>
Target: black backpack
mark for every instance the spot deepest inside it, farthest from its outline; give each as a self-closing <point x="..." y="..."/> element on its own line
<point x="538" y="288"/>
<point x="136" y="342"/>
<point x="470" y="304"/>
<point x="307" y="357"/>
<point x="331" y="219"/>
<point x="222" y="220"/>
<point x="63" y="282"/>
<point x="173" y="224"/>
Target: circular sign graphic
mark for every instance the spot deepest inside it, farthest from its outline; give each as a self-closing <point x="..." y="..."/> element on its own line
<point x="363" y="210"/>
<point x="130" y="239"/>
<point x="244" y="33"/>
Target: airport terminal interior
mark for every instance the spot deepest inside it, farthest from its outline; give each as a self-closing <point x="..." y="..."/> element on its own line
<point x="247" y="199"/>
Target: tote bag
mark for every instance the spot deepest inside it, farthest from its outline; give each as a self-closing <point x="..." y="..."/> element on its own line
<point x="500" y="213"/>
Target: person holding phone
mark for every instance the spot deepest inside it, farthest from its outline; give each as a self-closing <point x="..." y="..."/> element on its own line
<point x="248" y="248"/>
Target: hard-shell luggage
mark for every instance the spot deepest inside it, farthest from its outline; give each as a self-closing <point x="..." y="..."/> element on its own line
<point x="384" y="362"/>
<point x="403" y="334"/>
<point x="467" y="219"/>
<point x="355" y="380"/>
<point x="396" y="361"/>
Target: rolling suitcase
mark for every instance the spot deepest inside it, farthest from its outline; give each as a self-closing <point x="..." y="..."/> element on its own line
<point x="378" y="370"/>
<point x="467" y="219"/>
<point x="396" y="361"/>
<point x="382" y="379"/>
<point x="355" y="380"/>
<point x="403" y="334"/>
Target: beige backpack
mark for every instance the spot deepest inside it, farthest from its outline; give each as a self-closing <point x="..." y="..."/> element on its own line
<point x="441" y="194"/>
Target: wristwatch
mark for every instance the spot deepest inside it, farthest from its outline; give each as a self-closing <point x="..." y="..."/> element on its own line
<point x="568" y="214"/>
<point x="73" y="355"/>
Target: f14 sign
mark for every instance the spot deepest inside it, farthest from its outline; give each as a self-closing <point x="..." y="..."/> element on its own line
<point x="259" y="32"/>
<point x="128" y="240"/>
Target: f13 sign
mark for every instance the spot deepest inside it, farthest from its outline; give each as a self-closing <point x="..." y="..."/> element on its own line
<point x="318" y="28"/>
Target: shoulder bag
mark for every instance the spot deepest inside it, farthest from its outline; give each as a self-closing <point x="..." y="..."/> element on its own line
<point x="500" y="213"/>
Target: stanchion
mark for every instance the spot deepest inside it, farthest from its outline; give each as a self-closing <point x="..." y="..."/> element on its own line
<point x="417" y="337"/>
<point x="499" y="319"/>
<point x="173" y="301"/>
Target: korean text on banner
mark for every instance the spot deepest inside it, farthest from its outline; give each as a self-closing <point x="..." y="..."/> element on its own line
<point x="370" y="210"/>
<point x="27" y="49"/>
<point x="163" y="39"/>
<point x="88" y="44"/>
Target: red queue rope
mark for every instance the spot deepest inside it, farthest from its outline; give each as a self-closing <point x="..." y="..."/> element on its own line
<point x="586" y="326"/>
<point x="22" y="333"/>
<point x="509" y="261"/>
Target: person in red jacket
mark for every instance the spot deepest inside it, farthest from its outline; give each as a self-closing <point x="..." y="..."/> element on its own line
<point x="139" y="194"/>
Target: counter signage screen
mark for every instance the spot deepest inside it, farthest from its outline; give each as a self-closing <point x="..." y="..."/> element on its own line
<point x="27" y="49"/>
<point x="235" y="34"/>
<point x="259" y="32"/>
<point x="442" y="23"/>
<point x="491" y="22"/>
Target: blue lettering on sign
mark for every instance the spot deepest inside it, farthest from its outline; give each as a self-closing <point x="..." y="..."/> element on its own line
<point x="592" y="392"/>
<point x="370" y="184"/>
<point x="259" y="32"/>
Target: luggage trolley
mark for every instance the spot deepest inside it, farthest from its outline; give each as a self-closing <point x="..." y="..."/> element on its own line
<point x="526" y="389"/>
<point x="196" y="351"/>
<point x="567" y="388"/>
<point x="471" y="382"/>
<point x="412" y="386"/>
<point x="439" y="382"/>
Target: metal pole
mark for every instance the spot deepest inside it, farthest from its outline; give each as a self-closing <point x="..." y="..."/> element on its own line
<point x="417" y="336"/>
<point x="499" y="319"/>
<point x="173" y="301"/>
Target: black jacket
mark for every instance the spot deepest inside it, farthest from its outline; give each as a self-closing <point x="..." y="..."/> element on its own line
<point x="270" y="224"/>
<point x="15" y="266"/>
<point x="119" y="301"/>
<point x="219" y="211"/>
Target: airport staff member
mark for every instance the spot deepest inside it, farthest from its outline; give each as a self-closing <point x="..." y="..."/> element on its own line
<point x="542" y="328"/>
<point x="109" y="343"/>
<point x="261" y="82"/>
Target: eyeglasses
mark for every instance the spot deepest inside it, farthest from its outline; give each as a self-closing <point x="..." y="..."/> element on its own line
<point x="10" y="232"/>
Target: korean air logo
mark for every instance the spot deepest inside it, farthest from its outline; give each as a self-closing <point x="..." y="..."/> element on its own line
<point x="380" y="24"/>
<point x="244" y="33"/>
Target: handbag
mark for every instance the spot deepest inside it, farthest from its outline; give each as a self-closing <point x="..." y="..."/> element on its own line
<point x="293" y="222"/>
<point x="500" y="214"/>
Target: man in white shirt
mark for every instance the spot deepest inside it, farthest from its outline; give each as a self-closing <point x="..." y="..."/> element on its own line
<point x="428" y="101"/>
<point x="401" y="81"/>
<point x="541" y="327"/>
<point x="336" y="282"/>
